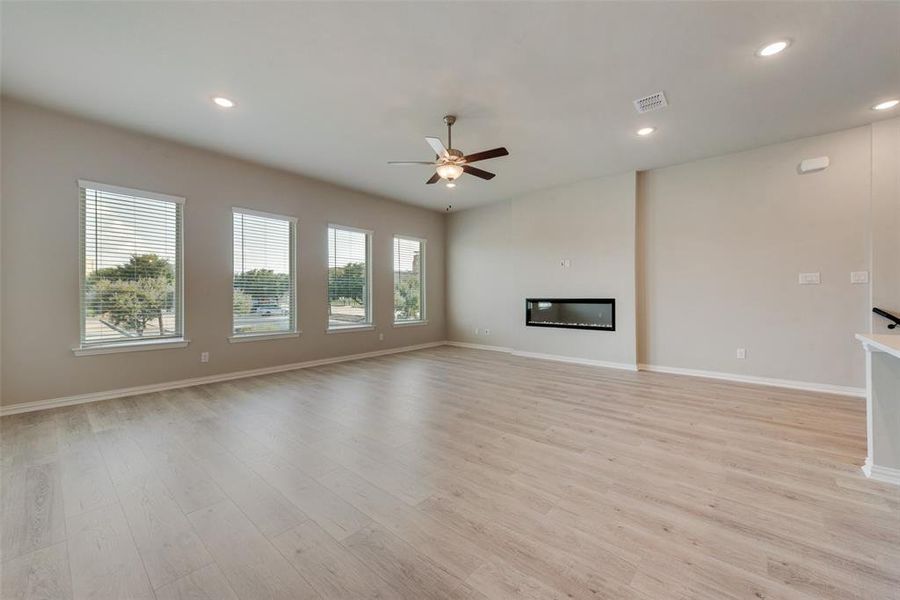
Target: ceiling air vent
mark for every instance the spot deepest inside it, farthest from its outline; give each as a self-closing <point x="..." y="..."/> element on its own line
<point x="651" y="102"/>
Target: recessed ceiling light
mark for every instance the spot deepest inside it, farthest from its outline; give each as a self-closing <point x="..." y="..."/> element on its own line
<point x="450" y="184"/>
<point x="645" y="131"/>
<point x="773" y="48"/>
<point x="887" y="104"/>
<point x="223" y="102"/>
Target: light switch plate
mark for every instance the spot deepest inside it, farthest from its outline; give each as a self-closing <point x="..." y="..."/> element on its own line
<point x="809" y="279"/>
<point x="859" y="277"/>
<point x="741" y="353"/>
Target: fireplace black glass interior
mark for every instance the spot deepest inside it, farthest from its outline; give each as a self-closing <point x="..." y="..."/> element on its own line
<point x="571" y="313"/>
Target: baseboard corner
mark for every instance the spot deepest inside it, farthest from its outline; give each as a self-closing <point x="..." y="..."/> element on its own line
<point x="882" y="474"/>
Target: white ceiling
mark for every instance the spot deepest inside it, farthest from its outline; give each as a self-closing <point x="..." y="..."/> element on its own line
<point x="334" y="90"/>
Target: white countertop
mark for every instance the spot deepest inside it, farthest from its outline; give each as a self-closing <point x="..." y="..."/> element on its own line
<point x="882" y="342"/>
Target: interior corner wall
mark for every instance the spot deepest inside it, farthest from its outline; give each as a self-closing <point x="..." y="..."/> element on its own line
<point x="723" y="241"/>
<point x="502" y="253"/>
<point x="715" y="250"/>
<point x="44" y="153"/>
<point x="885" y="236"/>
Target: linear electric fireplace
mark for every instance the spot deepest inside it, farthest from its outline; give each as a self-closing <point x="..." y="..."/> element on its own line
<point x="571" y="313"/>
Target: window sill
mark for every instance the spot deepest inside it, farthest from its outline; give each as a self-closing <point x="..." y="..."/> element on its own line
<point x="349" y="328"/>
<point x="409" y="323"/>
<point x="259" y="337"/>
<point x="166" y="344"/>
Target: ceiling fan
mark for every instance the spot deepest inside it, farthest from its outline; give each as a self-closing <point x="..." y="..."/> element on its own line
<point x="451" y="163"/>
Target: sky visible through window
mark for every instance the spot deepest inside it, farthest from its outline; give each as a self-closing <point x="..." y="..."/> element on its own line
<point x="261" y="243"/>
<point x="118" y="227"/>
<point x="345" y="247"/>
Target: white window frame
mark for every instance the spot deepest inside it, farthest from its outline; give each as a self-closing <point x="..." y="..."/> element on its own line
<point x="108" y="346"/>
<point x="369" y="325"/>
<point x="295" y="304"/>
<point x="423" y="314"/>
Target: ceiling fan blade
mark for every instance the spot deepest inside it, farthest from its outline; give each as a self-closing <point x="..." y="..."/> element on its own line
<point x="496" y="152"/>
<point x="437" y="145"/>
<point x="411" y="162"/>
<point x="478" y="172"/>
<point x="434" y="179"/>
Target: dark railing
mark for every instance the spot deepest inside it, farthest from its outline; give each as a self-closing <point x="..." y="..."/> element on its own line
<point x="888" y="316"/>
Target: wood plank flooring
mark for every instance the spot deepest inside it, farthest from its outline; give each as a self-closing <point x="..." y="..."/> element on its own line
<point x="448" y="473"/>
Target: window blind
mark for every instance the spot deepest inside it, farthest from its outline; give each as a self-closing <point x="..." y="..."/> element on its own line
<point x="131" y="256"/>
<point x="264" y="284"/>
<point x="409" y="280"/>
<point x="349" y="277"/>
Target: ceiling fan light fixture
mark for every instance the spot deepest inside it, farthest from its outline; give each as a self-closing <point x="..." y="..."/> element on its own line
<point x="449" y="163"/>
<point x="449" y="171"/>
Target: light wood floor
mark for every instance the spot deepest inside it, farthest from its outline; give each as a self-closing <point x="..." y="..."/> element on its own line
<point x="448" y="474"/>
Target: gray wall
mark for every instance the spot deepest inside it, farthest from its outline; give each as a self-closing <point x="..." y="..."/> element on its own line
<point x="716" y="249"/>
<point x="44" y="153"/>
<point x="713" y="247"/>
<point x="723" y="241"/>
<point x="500" y="254"/>
<point x="885" y="247"/>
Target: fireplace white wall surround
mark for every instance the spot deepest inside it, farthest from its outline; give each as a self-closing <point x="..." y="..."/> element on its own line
<point x="574" y="241"/>
<point x="703" y="259"/>
<point x="882" y="406"/>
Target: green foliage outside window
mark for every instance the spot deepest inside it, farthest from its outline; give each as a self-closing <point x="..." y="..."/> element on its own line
<point x="347" y="284"/>
<point x="407" y="298"/>
<point x="132" y="295"/>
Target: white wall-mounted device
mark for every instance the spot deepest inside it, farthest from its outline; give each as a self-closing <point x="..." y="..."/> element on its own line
<point x="809" y="279"/>
<point x="859" y="277"/>
<point x="810" y="165"/>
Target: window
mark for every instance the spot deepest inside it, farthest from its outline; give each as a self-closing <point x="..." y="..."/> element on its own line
<point x="131" y="256"/>
<point x="349" y="277"/>
<point x="265" y="282"/>
<point x="409" y="280"/>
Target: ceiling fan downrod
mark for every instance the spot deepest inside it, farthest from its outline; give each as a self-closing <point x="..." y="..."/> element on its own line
<point x="450" y="120"/>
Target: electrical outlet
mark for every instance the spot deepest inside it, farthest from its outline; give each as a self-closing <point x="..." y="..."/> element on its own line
<point x="741" y="353"/>
<point x="204" y="357"/>
<point x="380" y="337"/>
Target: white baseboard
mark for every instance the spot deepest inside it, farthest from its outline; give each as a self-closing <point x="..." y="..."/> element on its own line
<point x="479" y="347"/>
<point x="825" y="388"/>
<point x="883" y="474"/>
<point x="542" y="356"/>
<point x="578" y="361"/>
<point x="24" y="407"/>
